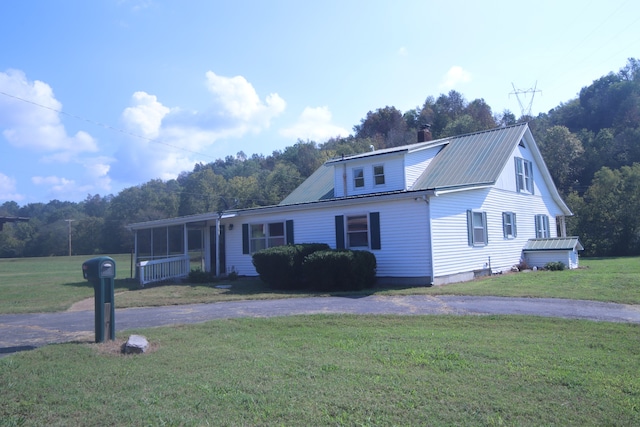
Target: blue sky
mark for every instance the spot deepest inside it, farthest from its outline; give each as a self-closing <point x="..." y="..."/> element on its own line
<point x="97" y="96"/>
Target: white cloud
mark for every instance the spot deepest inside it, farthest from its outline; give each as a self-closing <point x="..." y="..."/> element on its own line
<point x="403" y="51"/>
<point x="30" y="118"/>
<point x="314" y="124"/>
<point x="236" y="98"/>
<point x="146" y="114"/>
<point x="455" y="76"/>
<point x="8" y="189"/>
<point x="173" y="137"/>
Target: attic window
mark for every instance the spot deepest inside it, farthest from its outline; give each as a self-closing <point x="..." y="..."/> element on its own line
<point x="521" y="144"/>
<point x="378" y="174"/>
<point x="358" y="178"/>
<point x="524" y="176"/>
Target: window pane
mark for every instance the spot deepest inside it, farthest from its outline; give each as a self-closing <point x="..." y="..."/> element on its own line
<point x="358" y="177"/>
<point x="478" y="235"/>
<point x="258" y="244"/>
<point x="276" y="241"/>
<point x="357" y="231"/>
<point x="257" y="230"/>
<point x="378" y="174"/>
<point x="276" y="229"/>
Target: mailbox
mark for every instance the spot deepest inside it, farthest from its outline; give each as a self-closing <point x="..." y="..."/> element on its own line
<point x="101" y="272"/>
<point x="102" y="267"/>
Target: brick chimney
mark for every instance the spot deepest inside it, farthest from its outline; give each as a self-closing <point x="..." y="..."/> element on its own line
<point x="424" y="134"/>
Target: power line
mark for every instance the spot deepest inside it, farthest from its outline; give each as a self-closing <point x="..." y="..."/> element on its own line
<point x="103" y="125"/>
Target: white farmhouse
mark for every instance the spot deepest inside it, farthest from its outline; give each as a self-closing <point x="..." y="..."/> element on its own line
<point x="433" y="212"/>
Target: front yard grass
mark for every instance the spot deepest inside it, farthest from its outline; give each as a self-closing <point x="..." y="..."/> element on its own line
<point x="338" y="370"/>
<point x="29" y="285"/>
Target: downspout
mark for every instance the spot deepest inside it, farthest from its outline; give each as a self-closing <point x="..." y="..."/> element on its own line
<point x="344" y="178"/>
<point x="425" y="198"/>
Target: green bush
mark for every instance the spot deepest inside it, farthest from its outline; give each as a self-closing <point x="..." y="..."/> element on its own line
<point x="342" y="270"/>
<point x="281" y="266"/>
<point x="555" y="266"/>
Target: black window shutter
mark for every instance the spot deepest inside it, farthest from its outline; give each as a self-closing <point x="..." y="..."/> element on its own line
<point x="289" y="225"/>
<point x="339" y="231"/>
<point x="374" y="226"/>
<point x="245" y="238"/>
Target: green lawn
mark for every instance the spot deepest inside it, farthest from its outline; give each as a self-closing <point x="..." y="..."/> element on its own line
<point x="338" y="371"/>
<point x="330" y="370"/>
<point x="54" y="284"/>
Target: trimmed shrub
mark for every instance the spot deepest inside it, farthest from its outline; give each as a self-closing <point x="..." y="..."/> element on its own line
<point x="281" y="266"/>
<point x="342" y="270"/>
<point x="199" y="276"/>
<point x="555" y="266"/>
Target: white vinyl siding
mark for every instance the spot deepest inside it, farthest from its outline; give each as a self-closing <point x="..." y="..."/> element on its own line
<point x="405" y="250"/>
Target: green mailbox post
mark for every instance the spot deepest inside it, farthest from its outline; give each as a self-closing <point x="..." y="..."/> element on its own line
<point x="101" y="272"/>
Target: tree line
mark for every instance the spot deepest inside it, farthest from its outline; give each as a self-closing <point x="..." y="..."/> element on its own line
<point x="591" y="145"/>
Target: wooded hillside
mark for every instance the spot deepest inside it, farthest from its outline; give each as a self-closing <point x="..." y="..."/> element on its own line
<point x="591" y="145"/>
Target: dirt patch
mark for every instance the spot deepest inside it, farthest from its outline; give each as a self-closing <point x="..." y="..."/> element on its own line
<point x="115" y="348"/>
<point x="84" y="305"/>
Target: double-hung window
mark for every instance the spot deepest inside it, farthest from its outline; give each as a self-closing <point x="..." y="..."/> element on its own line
<point x="378" y="174"/>
<point x="357" y="231"/>
<point x="358" y="177"/>
<point x="524" y="175"/>
<point x="360" y="231"/>
<point x="542" y="226"/>
<point x="477" y="228"/>
<point x="264" y="236"/>
<point x="509" y="225"/>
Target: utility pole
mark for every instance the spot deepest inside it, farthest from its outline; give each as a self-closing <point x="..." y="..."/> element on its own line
<point x="69" y="222"/>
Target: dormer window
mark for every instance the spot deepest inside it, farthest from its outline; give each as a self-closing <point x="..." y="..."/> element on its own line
<point x="378" y="174"/>
<point x="524" y="176"/>
<point x="358" y="178"/>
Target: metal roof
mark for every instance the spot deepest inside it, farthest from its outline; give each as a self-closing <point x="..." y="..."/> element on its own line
<point x="554" y="244"/>
<point x="319" y="186"/>
<point x="472" y="159"/>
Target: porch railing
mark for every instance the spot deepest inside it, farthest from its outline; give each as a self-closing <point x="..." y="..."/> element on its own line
<point x="158" y="270"/>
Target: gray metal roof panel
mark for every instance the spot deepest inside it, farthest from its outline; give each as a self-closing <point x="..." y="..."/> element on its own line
<point x="319" y="186"/>
<point x="554" y="244"/>
<point x="472" y="159"/>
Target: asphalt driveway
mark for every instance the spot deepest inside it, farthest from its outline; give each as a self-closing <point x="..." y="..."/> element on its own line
<point x="19" y="332"/>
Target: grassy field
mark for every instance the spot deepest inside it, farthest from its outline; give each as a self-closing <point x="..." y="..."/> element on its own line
<point x="338" y="371"/>
<point x="329" y="370"/>
<point x="54" y="284"/>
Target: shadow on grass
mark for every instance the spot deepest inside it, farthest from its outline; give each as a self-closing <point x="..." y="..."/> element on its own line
<point x="119" y="284"/>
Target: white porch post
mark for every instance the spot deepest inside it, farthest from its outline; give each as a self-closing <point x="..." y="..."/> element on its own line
<point x="217" y="243"/>
<point x="207" y="247"/>
<point x="185" y="240"/>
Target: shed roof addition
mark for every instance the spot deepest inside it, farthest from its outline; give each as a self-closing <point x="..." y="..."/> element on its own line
<point x="554" y="244"/>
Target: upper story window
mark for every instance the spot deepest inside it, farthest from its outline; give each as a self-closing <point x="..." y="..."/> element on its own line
<point x="542" y="227"/>
<point x="378" y="174"/>
<point x="524" y="175"/>
<point x="358" y="178"/>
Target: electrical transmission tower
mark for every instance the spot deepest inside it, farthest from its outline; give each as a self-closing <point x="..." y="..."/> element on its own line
<point x="525" y="110"/>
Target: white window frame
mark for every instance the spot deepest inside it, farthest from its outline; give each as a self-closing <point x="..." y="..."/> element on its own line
<point x="542" y="226"/>
<point x="524" y="175"/>
<point x="355" y="232"/>
<point x="509" y="227"/>
<point x="265" y="233"/>
<point x="378" y="177"/>
<point x="358" y="177"/>
<point x="476" y="224"/>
